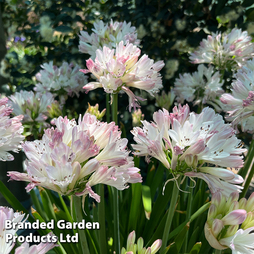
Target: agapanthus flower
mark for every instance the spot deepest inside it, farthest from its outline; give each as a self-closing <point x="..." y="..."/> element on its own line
<point x="41" y="248"/>
<point x="230" y="223"/>
<point x="7" y="213"/>
<point x="107" y="35"/>
<point x="138" y="248"/>
<point x="227" y="50"/>
<point x="240" y="103"/>
<point x="194" y="145"/>
<point x="11" y="130"/>
<point x="32" y="105"/>
<point x="62" y="80"/>
<point x="201" y="87"/>
<point x="118" y="70"/>
<point x="73" y="157"/>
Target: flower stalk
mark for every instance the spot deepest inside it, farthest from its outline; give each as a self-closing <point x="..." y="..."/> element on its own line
<point x="115" y="193"/>
<point x="78" y="216"/>
<point x="251" y="171"/>
<point x="170" y="214"/>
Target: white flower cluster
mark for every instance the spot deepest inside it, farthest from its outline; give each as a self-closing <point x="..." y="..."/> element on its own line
<point x="108" y="35"/>
<point x="225" y="50"/>
<point x="202" y="86"/>
<point x="64" y="79"/>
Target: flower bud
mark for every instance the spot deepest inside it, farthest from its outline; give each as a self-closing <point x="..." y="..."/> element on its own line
<point x="235" y="217"/>
<point x="248" y="220"/>
<point x="250" y="203"/>
<point x="242" y="203"/>
<point x="217" y="226"/>
<point x="231" y="231"/>
<point x="156" y="246"/>
<point x="140" y="244"/>
<point x="131" y="239"/>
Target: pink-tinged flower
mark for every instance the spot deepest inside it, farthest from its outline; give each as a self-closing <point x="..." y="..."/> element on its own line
<point x="240" y="102"/>
<point x="225" y="50"/>
<point x="118" y="70"/>
<point x="196" y="145"/>
<point x="107" y="35"/>
<point x="33" y="106"/>
<point x="73" y="157"/>
<point x="201" y="87"/>
<point x="11" y="130"/>
<point x="7" y="213"/>
<point x="62" y="80"/>
<point x="41" y="248"/>
<point x="229" y="225"/>
<point x="138" y="248"/>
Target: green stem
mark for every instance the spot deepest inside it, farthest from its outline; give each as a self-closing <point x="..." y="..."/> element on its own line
<point x="188" y="214"/>
<point x="170" y="215"/>
<point x="244" y="170"/>
<point x="78" y="218"/>
<point x="101" y="215"/>
<point x="251" y="171"/>
<point x="114" y="190"/>
<point x="107" y="108"/>
<point x="217" y="251"/>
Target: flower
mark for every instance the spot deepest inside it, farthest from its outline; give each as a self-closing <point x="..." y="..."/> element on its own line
<point x="203" y="86"/>
<point x="230" y="223"/>
<point x="108" y="35"/>
<point x="41" y="248"/>
<point x="240" y="103"/>
<point x="7" y="213"/>
<point x="165" y="100"/>
<point x="60" y="80"/>
<point x="73" y="157"/>
<point x="190" y="144"/>
<point x="225" y="50"/>
<point x="137" y="117"/>
<point x="32" y="105"/>
<point x="118" y="70"/>
<point x="11" y="131"/>
<point x="138" y="248"/>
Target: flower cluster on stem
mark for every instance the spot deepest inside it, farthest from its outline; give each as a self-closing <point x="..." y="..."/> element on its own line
<point x="194" y="145"/>
<point x="62" y="80"/>
<point x="240" y="102"/>
<point x="230" y="222"/>
<point x="11" y="131"/>
<point x="201" y="87"/>
<point x="119" y="69"/>
<point x="73" y="157"/>
<point x="227" y="50"/>
<point x="108" y="35"/>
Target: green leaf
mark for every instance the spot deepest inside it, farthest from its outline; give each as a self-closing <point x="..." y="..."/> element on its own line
<point x="196" y="248"/>
<point x="181" y="236"/>
<point x="135" y="206"/>
<point x="63" y="29"/>
<point x="147" y="201"/>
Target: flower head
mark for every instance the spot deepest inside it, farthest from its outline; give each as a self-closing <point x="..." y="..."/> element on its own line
<point x="11" y="131"/>
<point x="118" y="70"/>
<point x="107" y="35"/>
<point x="240" y="103"/>
<point x="230" y="223"/>
<point x="225" y="50"/>
<point x="190" y="144"/>
<point x="203" y="86"/>
<point x="32" y="105"/>
<point x="73" y="157"/>
<point x="7" y="213"/>
<point x="60" y="80"/>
